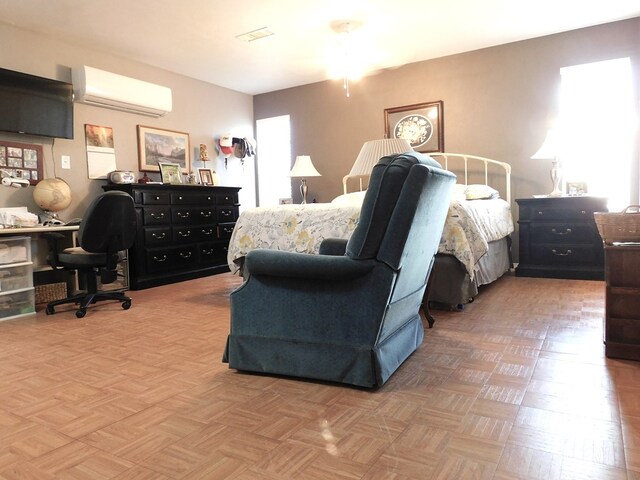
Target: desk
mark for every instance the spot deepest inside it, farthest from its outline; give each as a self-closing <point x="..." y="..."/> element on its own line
<point x="39" y="248"/>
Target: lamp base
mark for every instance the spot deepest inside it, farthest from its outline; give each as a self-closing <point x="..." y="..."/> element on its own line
<point x="556" y="178"/>
<point x="303" y="190"/>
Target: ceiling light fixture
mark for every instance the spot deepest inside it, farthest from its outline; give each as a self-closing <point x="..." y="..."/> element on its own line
<point x="255" y="34"/>
<point x="345" y="28"/>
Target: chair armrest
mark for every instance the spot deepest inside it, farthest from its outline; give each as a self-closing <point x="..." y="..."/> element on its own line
<point x="277" y="263"/>
<point x="333" y="246"/>
<point x="52" y="245"/>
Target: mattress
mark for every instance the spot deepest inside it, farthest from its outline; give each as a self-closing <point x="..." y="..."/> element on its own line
<point x="469" y="228"/>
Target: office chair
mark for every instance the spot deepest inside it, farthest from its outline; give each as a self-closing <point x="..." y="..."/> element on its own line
<point x="108" y="227"/>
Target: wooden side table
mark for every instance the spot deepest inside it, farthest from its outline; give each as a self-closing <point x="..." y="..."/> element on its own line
<point x="622" y="316"/>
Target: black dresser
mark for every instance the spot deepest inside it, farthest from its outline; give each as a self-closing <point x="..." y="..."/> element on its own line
<point x="183" y="232"/>
<point x="559" y="238"/>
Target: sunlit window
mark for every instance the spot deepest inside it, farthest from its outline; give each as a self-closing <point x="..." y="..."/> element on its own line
<point x="596" y="128"/>
<point x="274" y="160"/>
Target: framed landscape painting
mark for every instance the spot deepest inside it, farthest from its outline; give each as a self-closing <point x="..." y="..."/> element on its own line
<point x="157" y="145"/>
<point x="419" y="124"/>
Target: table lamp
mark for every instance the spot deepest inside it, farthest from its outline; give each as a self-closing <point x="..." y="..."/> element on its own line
<point x="304" y="168"/>
<point x="549" y="151"/>
<point x="371" y="153"/>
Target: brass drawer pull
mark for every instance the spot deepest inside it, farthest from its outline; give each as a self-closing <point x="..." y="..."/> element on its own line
<point x="227" y="230"/>
<point x="566" y="232"/>
<point x="160" y="259"/>
<point x="226" y="213"/>
<point x="565" y="254"/>
<point x="205" y="214"/>
<point x="185" y="255"/>
<point x="157" y="215"/>
<point x="207" y="232"/>
<point x="159" y="237"/>
<point x="183" y="215"/>
<point x="157" y="197"/>
<point x="208" y="198"/>
<point x="184" y="234"/>
<point x="207" y="252"/>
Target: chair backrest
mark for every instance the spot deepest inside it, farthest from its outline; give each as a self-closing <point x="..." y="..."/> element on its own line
<point x="109" y="223"/>
<point x="402" y="217"/>
<point x="385" y="185"/>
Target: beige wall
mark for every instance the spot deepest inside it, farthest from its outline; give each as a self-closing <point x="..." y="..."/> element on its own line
<point x="498" y="103"/>
<point x="200" y="109"/>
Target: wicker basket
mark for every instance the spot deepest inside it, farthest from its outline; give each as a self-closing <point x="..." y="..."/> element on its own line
<point x="50" y="292"/>
<point x="619" y="227"/>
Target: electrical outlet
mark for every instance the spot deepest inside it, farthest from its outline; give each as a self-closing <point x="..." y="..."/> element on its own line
<point x="66" y="161"/>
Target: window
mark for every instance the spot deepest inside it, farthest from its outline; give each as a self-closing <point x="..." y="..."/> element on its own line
<point x="274" y="160"/>
<point x="597" y="124"/>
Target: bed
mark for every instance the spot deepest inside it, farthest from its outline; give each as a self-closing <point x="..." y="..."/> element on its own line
<point x="475" y="245"/>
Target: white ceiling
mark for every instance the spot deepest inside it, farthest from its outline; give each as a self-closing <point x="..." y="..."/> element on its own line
<point x="197" y="38"/>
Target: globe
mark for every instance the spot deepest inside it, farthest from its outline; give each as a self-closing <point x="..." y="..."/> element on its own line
<point x="52" y="194"/>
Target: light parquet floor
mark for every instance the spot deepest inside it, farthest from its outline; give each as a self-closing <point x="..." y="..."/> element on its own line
<point x="514" y="387"/>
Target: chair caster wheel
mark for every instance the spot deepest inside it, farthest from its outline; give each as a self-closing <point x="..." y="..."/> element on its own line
<point x="126" y="305"/>
<point x="49" y="310"/>
<point x="81" y="313"/>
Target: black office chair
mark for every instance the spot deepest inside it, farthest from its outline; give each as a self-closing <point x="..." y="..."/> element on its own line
<point x="108" y="227"/>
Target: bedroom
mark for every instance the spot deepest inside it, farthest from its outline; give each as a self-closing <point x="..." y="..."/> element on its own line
<point x="483" y="123"/>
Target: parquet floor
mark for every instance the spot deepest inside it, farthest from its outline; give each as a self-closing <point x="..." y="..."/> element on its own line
<point x="514" y="387"/>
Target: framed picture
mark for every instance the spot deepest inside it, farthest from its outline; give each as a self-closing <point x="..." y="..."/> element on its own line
<point x="157" y="145"/>
<point x="206" y="176"/>
<point x="419" y="124"/>
<point x="576" y="188"/>
<point x="170" y="172"/>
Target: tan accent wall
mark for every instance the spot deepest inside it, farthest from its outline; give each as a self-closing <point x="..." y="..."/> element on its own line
<point x="498" y="103"/>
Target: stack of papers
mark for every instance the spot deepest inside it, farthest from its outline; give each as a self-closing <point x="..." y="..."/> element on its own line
<point x="17" y="217"/>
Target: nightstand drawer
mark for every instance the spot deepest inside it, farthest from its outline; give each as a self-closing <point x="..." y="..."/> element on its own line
<point x="570" y="254"/>
<point x="565" y="213"/>
<point x="575" y="233"/>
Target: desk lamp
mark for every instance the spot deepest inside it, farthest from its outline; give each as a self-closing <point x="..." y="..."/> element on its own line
<point x="304" y="168"/>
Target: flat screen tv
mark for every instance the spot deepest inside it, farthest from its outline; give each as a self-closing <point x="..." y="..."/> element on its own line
<point x="35" y="105"/>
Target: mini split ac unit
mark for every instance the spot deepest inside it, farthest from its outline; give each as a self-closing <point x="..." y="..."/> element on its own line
<point x="110" y="90"/>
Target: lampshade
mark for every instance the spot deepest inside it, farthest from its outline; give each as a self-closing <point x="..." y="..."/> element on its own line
<point x="373" y="150"/>
<point x="549" y="148"/>
<point x="304" y="168"/>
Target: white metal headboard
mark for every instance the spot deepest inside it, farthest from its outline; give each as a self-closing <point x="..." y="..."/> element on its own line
<point x="466" y="160"/>
<point x="474" y="160"/>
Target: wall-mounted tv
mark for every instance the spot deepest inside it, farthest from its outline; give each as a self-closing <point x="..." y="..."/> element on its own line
<point x="35" y="105"/>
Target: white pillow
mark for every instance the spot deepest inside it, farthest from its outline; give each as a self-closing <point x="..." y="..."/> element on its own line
<point x="458" y="192"/>
<point x="480" y="192"/>
<point x="353" y="198"/>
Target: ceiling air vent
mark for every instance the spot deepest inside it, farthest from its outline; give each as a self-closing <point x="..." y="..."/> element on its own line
<point x="255" y="34"/>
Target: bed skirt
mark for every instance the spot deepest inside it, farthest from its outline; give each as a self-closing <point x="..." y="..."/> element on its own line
<point x="450" y="282"/>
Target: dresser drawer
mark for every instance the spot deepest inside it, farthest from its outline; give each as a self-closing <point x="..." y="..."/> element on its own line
<point x="178" y="258"/>
<point x="561" y="213"/>
<point x="193" y="215"/>
<point x="563" y="254"/>
<point x="213" y="253"/>
<point x="156" y="198"/>
<point x="225" y="230"/>
<point x="562" y="233"/>
<point x="192" y="198"/>
<point x="227" y="214"/>
<point x="226" y="198"/>
<point x="194" y="233"/>
<point x="156" y="215"/>
<point x="157" y="236"/>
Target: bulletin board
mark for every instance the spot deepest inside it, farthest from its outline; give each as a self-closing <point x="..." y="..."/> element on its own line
<point x="22" y="160"/>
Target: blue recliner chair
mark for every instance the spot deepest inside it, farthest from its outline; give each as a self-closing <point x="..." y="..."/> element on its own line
<point x="349" y="314"/>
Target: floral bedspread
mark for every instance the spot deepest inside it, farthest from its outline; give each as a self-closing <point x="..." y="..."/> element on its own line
<point x="293" y="228"/>
<point x="469" y="227"/>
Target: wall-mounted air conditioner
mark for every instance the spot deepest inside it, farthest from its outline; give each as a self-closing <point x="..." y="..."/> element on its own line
<point x="110" y="90"/>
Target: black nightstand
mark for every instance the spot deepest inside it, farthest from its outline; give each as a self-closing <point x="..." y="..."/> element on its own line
<point x="559" y="238"/>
